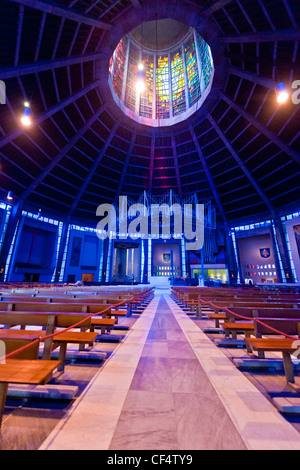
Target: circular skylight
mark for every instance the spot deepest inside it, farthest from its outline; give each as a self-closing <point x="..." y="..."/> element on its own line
<point x="177" y="68"/>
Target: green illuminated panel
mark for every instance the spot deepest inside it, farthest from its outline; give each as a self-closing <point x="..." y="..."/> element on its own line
<point x="192" y="72"/>
<point x="206" y="61"/>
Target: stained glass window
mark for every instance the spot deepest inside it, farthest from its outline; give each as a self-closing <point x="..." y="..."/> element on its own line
<point x="176" y="80"/>
<point x="119" y="67"/>
<point x="192" y="72"/>
<point x="206" y="61"/>
<point x="178" y="83"/>
<point x="111" y="64"/>
<point x="133" y="61"/>
<point x="146" y="102"/>
<point x="162" y="88"/>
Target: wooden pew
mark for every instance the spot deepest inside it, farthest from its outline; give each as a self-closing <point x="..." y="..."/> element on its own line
<point x="51" y="321"/>
<point x="24" y="371"/>
<point x="103" y="299"/>
<point x="63" y="299"/>
<point x="233" y="299"/>
<point x="24" y="367"/>
<point x="17" y="340"/>
<point x="241" y="320"/>
<point x="211" y="293"/>
<point x="220" y="312"/>
<point x="272" y="322"/>
<point x="251" y="303"/>
<point x="286" y="346"/>
<point x="236" y="316"/>
<point x="101" y="307"/>
<point x="283" y="320"/>
<point x="104" y="316"/>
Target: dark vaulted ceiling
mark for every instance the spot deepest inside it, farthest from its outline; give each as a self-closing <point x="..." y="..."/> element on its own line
<point x="241" y="149"/>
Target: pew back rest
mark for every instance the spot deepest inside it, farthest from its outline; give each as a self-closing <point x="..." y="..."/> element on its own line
<point x="23" y="319"/>
<point x="47" y="307"/>
<point x="240" y="311"/>
<point x="253" y="304"/>
<point x="62" y="320"/>
<point x="65" y="320"/>
<point x="277" y="326"/>
<point x="54" y="307"/>
<point x="281" y="319"/>
<point x="251" y="312"/>
<point x="276" y="312"/>
<point x="31" y="352"/>
<point x="88" y="300"/>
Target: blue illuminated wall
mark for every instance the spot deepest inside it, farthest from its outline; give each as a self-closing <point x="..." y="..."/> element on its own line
<point x="292" y="231"/>
<point x="34" y="251"/>
<point x="83" y="257"/>
<point x="39" y="244"/>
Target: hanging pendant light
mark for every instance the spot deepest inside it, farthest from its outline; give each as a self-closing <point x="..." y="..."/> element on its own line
<point x="27" y="115"/>
<point x="282" y="93"/>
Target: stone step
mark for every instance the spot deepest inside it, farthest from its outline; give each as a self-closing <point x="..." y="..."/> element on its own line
<point x="73" y="354"/>
<point x="121" y="327"/>
<point x="231" y="343"/>
<point x="256" y="363"/>
<point x="49" y="391"/>
<point x="109" y="338"/>
<point x="214" y="330"/>
<point x="287" y="405"/>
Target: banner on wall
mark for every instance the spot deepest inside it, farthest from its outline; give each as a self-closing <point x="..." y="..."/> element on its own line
<point x="76" y="250"/>
<point x="265" y="252"/>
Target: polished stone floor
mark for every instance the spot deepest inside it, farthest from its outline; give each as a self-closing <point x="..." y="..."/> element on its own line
<point x="171" y="403"/>
<point x="167" y="386"/>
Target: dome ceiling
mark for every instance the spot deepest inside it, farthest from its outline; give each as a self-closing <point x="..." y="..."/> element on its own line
<point x="241" y="149"/>
<point x="174" y="83"/>
<point x="161" y="34"/>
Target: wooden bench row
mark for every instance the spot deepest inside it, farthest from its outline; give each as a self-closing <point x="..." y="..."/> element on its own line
<point x="127" y="301"/>
<point x="54" y="318"/>
<point x="50" y="324"/>
<point x="24" y="371"/>
<point x="216" y="299"/>
<point x="269" y="322"/>
<point x="25" y="367"/>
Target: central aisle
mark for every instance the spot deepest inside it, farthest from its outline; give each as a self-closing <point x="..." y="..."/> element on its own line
<point x="162" y="389"/>
<point x="171" y="403"/>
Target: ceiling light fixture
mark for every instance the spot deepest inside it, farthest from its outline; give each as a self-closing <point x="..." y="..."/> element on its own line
<point x="281" y="93"/>
<point x="27" y="115"/>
